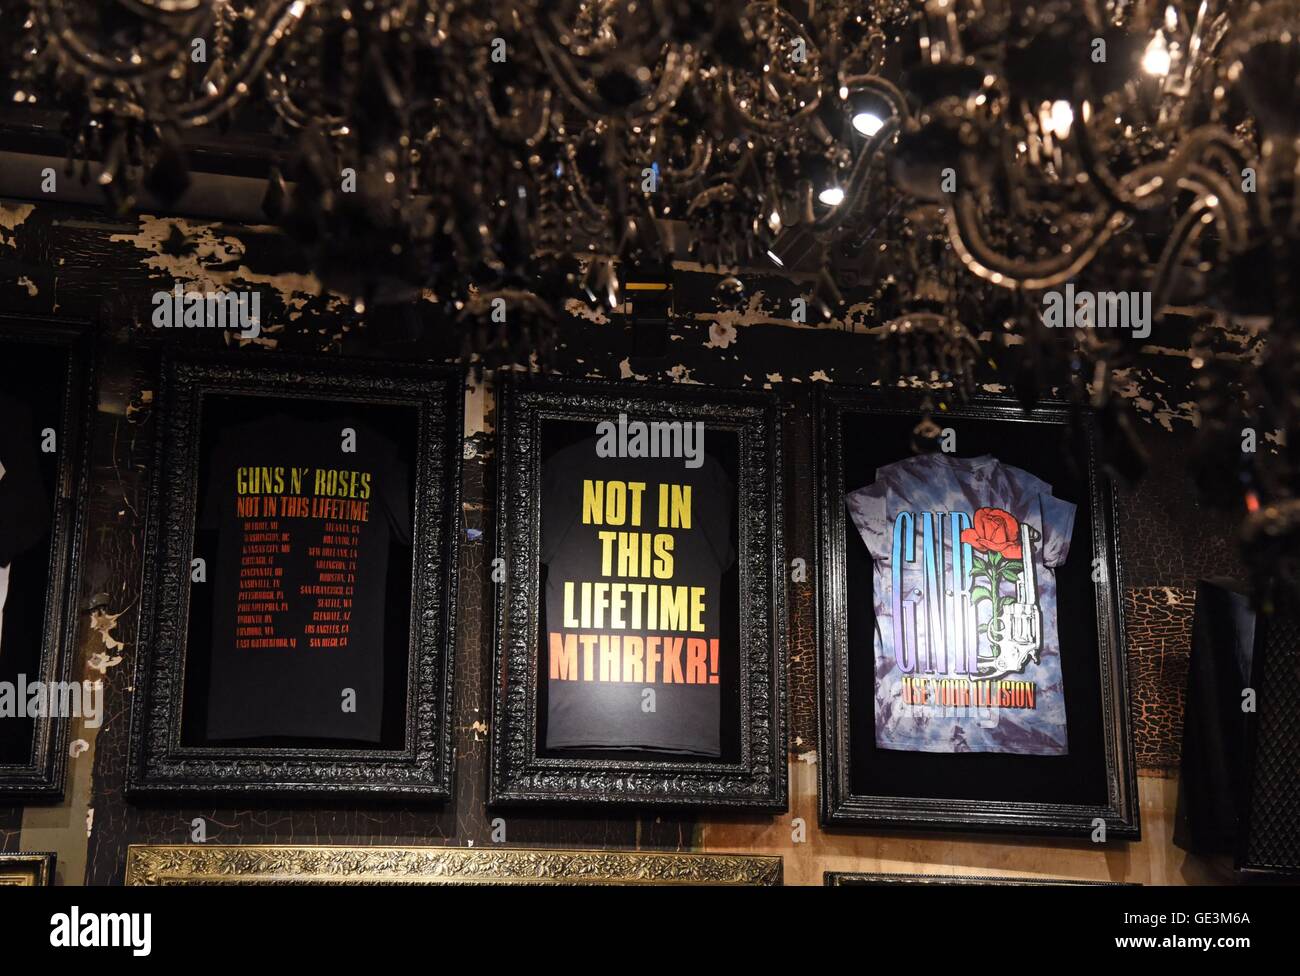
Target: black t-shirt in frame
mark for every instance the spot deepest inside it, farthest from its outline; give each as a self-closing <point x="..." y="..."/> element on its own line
<point x="25" y="526"/>
<point x="597" y="677"/>
<point x="303" y="536"/>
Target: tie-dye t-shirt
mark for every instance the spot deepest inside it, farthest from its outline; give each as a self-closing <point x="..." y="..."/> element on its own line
<point x="966" y="648"/>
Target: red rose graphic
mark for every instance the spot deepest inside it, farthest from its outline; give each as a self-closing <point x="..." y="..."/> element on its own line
<point x="994" y="531"/>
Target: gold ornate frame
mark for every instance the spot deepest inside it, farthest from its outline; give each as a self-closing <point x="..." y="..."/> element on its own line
<point x="26" y="870"/>
<point x="848" y="879"/>
<point x="204" y="864"/>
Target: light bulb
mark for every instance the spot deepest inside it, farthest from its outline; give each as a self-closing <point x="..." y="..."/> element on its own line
<point x="1155" y="60"/>
<point x="868" y="123"/>
<point x="1058" y="119"/>
<point x="832" y="196"/>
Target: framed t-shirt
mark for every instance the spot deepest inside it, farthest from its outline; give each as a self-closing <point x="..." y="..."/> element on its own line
<point x="298" y="624"/>
<point x="639" y="613"/>
<point x="972" y="654"/>
<point x="47" y="394"/>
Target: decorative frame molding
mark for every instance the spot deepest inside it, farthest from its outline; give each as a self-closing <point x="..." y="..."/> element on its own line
<point x="41" y="779"/>
<point x="209" y="864"/>
<point x="160" y="764"/>
<point x="519" y="775"/>
<point x="849" y="879"/>
<point x="27" y="869"/>
<point x="838" y="805"/>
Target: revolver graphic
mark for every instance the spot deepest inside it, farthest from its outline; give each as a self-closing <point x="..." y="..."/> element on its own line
<point x="1016" y="634"/>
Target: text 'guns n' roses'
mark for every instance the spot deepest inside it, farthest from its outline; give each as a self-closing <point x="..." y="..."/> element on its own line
<point x="284" y="509"/>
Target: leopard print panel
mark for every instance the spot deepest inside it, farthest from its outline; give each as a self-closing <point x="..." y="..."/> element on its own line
<point x="802" y="682"/>
<point x="1158" y="622"/>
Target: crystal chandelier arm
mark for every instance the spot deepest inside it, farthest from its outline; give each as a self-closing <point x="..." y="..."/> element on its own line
<point x="514" y="127"/>
<point x="875" y="43"/>
<point x="1186" y="232"/>
<point x="84" y="59"/>
<point x="157" y="10"/>
<point x="701" y="156"/>
<point x="679" y="66"/>
<point x="981" y="259"/>
<point x="277" y="94"/>
<point x="1147" y="187"/>
<point x="275" y="25"/>
<point x="1232" y="213"/>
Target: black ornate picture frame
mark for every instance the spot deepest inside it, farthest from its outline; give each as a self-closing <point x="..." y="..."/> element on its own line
<point x="522" y="771"/>
<point x="421" y="769"/>
<point x="40" y="349"/>
<point x="1106" y="805"/>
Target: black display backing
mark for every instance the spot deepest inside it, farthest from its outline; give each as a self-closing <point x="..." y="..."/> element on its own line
<point x="722" y="446"/>
<point x="36" y="376"/>
<point x="221" y="412"/>
<point x="872" y="441"/>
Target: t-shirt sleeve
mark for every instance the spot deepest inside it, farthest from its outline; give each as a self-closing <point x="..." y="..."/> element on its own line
<point x="1055" y="515"/>
<point x="1058" y="526"/>
<point x="867" y="510"/>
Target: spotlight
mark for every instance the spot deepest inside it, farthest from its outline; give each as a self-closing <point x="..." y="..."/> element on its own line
<point x="832" y="196"/>
<point x="868" y="123"/>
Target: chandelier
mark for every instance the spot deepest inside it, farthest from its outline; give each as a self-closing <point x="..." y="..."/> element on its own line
<point x="964" y="157"/>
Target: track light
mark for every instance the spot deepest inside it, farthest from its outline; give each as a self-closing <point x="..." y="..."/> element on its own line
<point x="868" y="123"/>
<point x="832" y="196"/>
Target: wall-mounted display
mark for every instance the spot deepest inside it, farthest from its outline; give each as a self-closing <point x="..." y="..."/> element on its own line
<point x="641" y="607"/>
<point x="46" y="401"/>
<point x="298" y="613"/>
<point x="208" y="864"/>
<point x="972" y="650"/>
